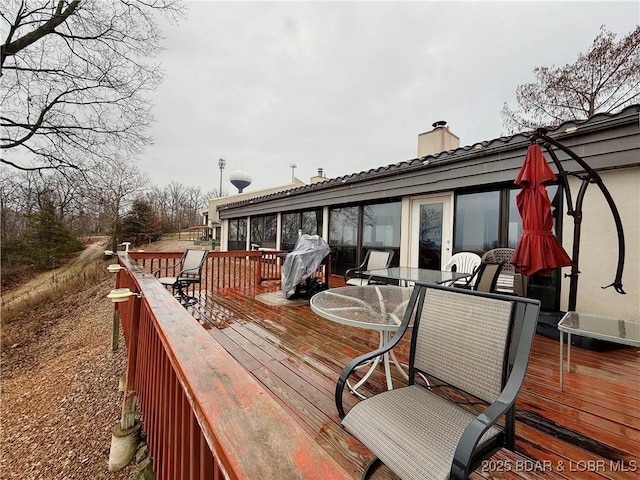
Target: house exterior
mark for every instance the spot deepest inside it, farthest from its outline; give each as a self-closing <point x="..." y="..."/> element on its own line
<point x="450" y="199"/>
<point x="212" y="218"/>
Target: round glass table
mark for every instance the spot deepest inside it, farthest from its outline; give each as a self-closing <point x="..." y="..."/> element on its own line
<point x="374" y="307"/>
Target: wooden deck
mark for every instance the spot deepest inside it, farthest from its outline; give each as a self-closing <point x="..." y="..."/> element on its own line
<point x="590" y="431"/>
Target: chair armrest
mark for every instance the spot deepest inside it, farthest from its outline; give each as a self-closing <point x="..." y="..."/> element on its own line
<point x="461" y="465"/>
<point x="466" y="446"/>
<point x="348" y="370"/>
<point x="359" y="268"/>
<point x="351" y="271"/>
<point x="155" y="272"/>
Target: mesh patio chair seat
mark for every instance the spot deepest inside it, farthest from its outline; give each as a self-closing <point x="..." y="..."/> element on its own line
<point x="373" y="260"/>
<point x="189" y="273"/>
<point x="509" y="281"/>
<point x="474" y="349"/>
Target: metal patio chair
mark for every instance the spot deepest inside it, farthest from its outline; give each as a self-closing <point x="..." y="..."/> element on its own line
<point x="486" y="276"/>
<point x="509" y="281"/>
<point x="474" y="350"/>
<point x="189" y="273"/>
<point x="373" y="260"/>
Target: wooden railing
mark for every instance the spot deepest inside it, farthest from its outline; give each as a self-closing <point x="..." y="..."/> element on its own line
<point x="272" y="264"/>
<point x="204" y="415"/>
<point x="238" y="269"/>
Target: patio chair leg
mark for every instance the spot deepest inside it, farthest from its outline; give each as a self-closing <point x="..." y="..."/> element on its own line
<point x="184" y="299"/>
<point x="371" y="468"/>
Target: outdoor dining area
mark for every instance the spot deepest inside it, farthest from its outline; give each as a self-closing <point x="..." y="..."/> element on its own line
<point x="232" y="387"/>
<point x="266" y="364"/>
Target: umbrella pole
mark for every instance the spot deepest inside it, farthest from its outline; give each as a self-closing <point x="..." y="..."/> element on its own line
<point x="575" y="253"/>
<point x="592" y="176"/>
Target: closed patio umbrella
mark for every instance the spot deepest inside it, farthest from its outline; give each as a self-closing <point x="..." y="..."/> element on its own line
<point x="538" y="250"/>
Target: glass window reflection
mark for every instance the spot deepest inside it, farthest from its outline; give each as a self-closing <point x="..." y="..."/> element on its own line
<point x="477" y="222"/>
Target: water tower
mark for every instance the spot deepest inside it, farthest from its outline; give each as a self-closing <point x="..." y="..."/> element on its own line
<point x="240" y="179"/>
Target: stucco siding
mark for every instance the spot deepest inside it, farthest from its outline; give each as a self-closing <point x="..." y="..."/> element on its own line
<point x="599" y="247"/>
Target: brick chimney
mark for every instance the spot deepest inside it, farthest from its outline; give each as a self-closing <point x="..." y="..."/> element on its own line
<point x="440" y="139"/>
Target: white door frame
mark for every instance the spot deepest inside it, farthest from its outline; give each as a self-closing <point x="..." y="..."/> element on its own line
<point x="414" y="222"/>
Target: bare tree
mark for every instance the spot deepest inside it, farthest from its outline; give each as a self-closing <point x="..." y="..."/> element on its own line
<point x="114" y="187"/>
<point x="604" y="79"/>
<point x="74" y="75"/>
<point x="11" y="207"/>
<point x="196" y="201"/>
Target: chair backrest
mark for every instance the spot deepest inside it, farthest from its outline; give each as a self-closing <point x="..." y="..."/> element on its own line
<point x="192" y="263"/>
<point x="465" y="262"/>
<point x="378" y="259"/>
<point x="486" y="276"/>
<point x="509" y="280"/>
<point x="470" y="340"/>
<point x="500" y="255"/>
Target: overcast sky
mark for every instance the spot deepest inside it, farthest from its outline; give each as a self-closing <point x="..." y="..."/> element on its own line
<point x="348" y="86"/>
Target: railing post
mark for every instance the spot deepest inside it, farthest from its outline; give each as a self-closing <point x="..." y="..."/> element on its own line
<point x="127" y="419"/>
<point x="258" y="278"/>
<point x="115" y="333"/>
<point x="125" y="435"/>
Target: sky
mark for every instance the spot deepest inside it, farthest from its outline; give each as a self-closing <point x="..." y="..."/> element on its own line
<point x="347" y="86"/>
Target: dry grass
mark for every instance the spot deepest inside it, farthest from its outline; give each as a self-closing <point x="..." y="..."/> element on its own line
<point x="60" y="378"/>
<point x="60" y="395"/>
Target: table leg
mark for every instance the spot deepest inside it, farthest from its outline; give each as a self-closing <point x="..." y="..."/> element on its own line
<point x="372" y="368"/>
<point x="387" y="371"/>
<point x="568" y="351"/>
<point x="561" y="358"/>
<point x="386" y="358"/>
<point x="399" y="365"/>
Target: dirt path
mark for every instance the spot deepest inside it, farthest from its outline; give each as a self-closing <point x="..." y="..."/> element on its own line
<point x="59" y="394"/>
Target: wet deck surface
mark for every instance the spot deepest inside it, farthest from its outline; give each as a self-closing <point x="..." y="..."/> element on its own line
<point x="591" y="430"/>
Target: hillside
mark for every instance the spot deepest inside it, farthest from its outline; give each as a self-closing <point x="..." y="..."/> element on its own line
<point x="60" y="395"/>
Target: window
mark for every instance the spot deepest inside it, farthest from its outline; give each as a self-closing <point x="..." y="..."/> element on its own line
<point x="355" y="229"/>
<point x="263" y="231"/>
<point x="237" y="234"/>
<point x="343" y="237"/>
<point x="309" y="223"/>
<point x="477" y="219"/>
<point x="490" y="219"/>
<point x="381" y="225"/>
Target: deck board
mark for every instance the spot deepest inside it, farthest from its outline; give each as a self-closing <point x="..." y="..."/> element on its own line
<point x="583" y="432"/>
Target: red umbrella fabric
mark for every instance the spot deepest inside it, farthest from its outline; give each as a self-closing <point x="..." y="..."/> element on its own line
<point x="538" y="250"/>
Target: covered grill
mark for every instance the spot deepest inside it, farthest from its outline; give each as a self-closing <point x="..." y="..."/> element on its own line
<point x="310" y="252"/>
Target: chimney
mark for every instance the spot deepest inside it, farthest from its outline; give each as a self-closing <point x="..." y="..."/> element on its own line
<point x="440" y="139"/>
<point x="320" y="177"/>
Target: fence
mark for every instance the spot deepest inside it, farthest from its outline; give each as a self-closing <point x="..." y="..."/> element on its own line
<point x="236" y="269"/>
<point x="204" y="415"/>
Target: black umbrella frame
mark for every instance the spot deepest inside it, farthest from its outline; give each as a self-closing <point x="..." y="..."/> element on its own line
<point x="587" y="177"/>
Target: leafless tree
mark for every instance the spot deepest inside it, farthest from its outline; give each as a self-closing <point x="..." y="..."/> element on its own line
<point x="74" y="75"/>
<point x="604" y="79"/>
<point x="11" y="215"/>
<point x="113" y="187"/>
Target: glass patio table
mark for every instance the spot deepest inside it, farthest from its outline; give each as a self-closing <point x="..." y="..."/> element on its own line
<point x="616" y="330"/>
<point x="374" y="307"/>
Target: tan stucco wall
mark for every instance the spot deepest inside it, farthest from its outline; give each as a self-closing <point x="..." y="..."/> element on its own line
<point x="599" y="247"/>
<point x="436" y="141"/>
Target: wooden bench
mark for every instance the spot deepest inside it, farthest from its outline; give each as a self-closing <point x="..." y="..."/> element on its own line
<point x="468" y="358"/>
